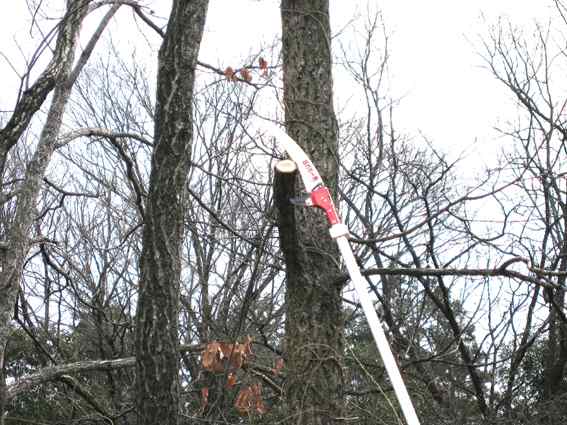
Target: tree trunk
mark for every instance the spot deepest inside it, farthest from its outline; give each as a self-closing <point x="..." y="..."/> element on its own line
<point x="556" y="353"/>
<point x="314" y="323"/>
<point x="157" y="342"/>
<point x="19" y="229"/>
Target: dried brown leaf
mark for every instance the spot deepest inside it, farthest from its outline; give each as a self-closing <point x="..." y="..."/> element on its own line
<point x="204" y="397"/>
<point x="229" y="73"/>
<point x="212" y="357"/>
<point x="278" y="366"/>
<point x="249" y="400"/>
<point x="245" y="74"/>
<point x="263" y="66"/>
<point x="231" y="380"/>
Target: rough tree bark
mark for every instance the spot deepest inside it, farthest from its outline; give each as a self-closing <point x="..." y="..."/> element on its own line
<point x="314" y="323"/>
<point x="157" y="341"/>
<point x="556" y="351"/>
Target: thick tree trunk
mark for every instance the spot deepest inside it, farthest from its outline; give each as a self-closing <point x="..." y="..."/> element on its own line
<point x="157" y="342"/>
<point x="314" y="323"/>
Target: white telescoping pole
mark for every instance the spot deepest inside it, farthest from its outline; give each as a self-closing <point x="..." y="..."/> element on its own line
<point x="378" y="332"/>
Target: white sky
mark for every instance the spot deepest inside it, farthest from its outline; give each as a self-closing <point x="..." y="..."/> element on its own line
<point x="445" y="93"/>
<point x="450" y="97"/>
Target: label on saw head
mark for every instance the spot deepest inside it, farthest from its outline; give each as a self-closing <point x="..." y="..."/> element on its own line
<point x="310" y="168"/>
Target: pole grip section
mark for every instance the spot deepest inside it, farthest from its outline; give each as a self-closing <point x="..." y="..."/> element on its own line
<point x="321" y="198"/>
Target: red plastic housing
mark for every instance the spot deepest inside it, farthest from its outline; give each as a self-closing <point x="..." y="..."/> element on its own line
<point x="321" y="198"/>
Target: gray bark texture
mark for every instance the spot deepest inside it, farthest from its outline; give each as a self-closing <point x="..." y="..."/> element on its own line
<point x="18" y="230"/>
<point x="157" y="358"/>
<point x="314" y="322"/>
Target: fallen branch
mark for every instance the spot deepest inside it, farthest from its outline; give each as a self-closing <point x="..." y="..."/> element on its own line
<point x="58" y="372"/>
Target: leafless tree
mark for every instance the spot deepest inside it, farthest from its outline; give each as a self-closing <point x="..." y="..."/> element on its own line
<point x="58" y="77"/>
<point x="529" y="66"/>
<point x="474" y="310"/>
<point x="314" y="322"/>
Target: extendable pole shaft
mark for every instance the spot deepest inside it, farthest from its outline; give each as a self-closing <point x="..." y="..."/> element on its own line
<point x="378" y="332"/>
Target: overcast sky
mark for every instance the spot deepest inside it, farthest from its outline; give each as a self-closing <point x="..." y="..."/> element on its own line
<point x="436" y="70"/>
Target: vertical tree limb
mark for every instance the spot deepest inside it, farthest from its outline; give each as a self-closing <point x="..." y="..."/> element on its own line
<point x="314" y="323"/>
<point x="157" y="358"/>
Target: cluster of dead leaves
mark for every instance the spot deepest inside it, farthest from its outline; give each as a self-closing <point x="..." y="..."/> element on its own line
<point x="219" y="357"/>
<point x="223" y="357"/>
<point x="245" y="73"/>
<point x="249" y="400"/>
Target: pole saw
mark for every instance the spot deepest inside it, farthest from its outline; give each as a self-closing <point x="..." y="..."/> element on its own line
<point x="318" y="195"/>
